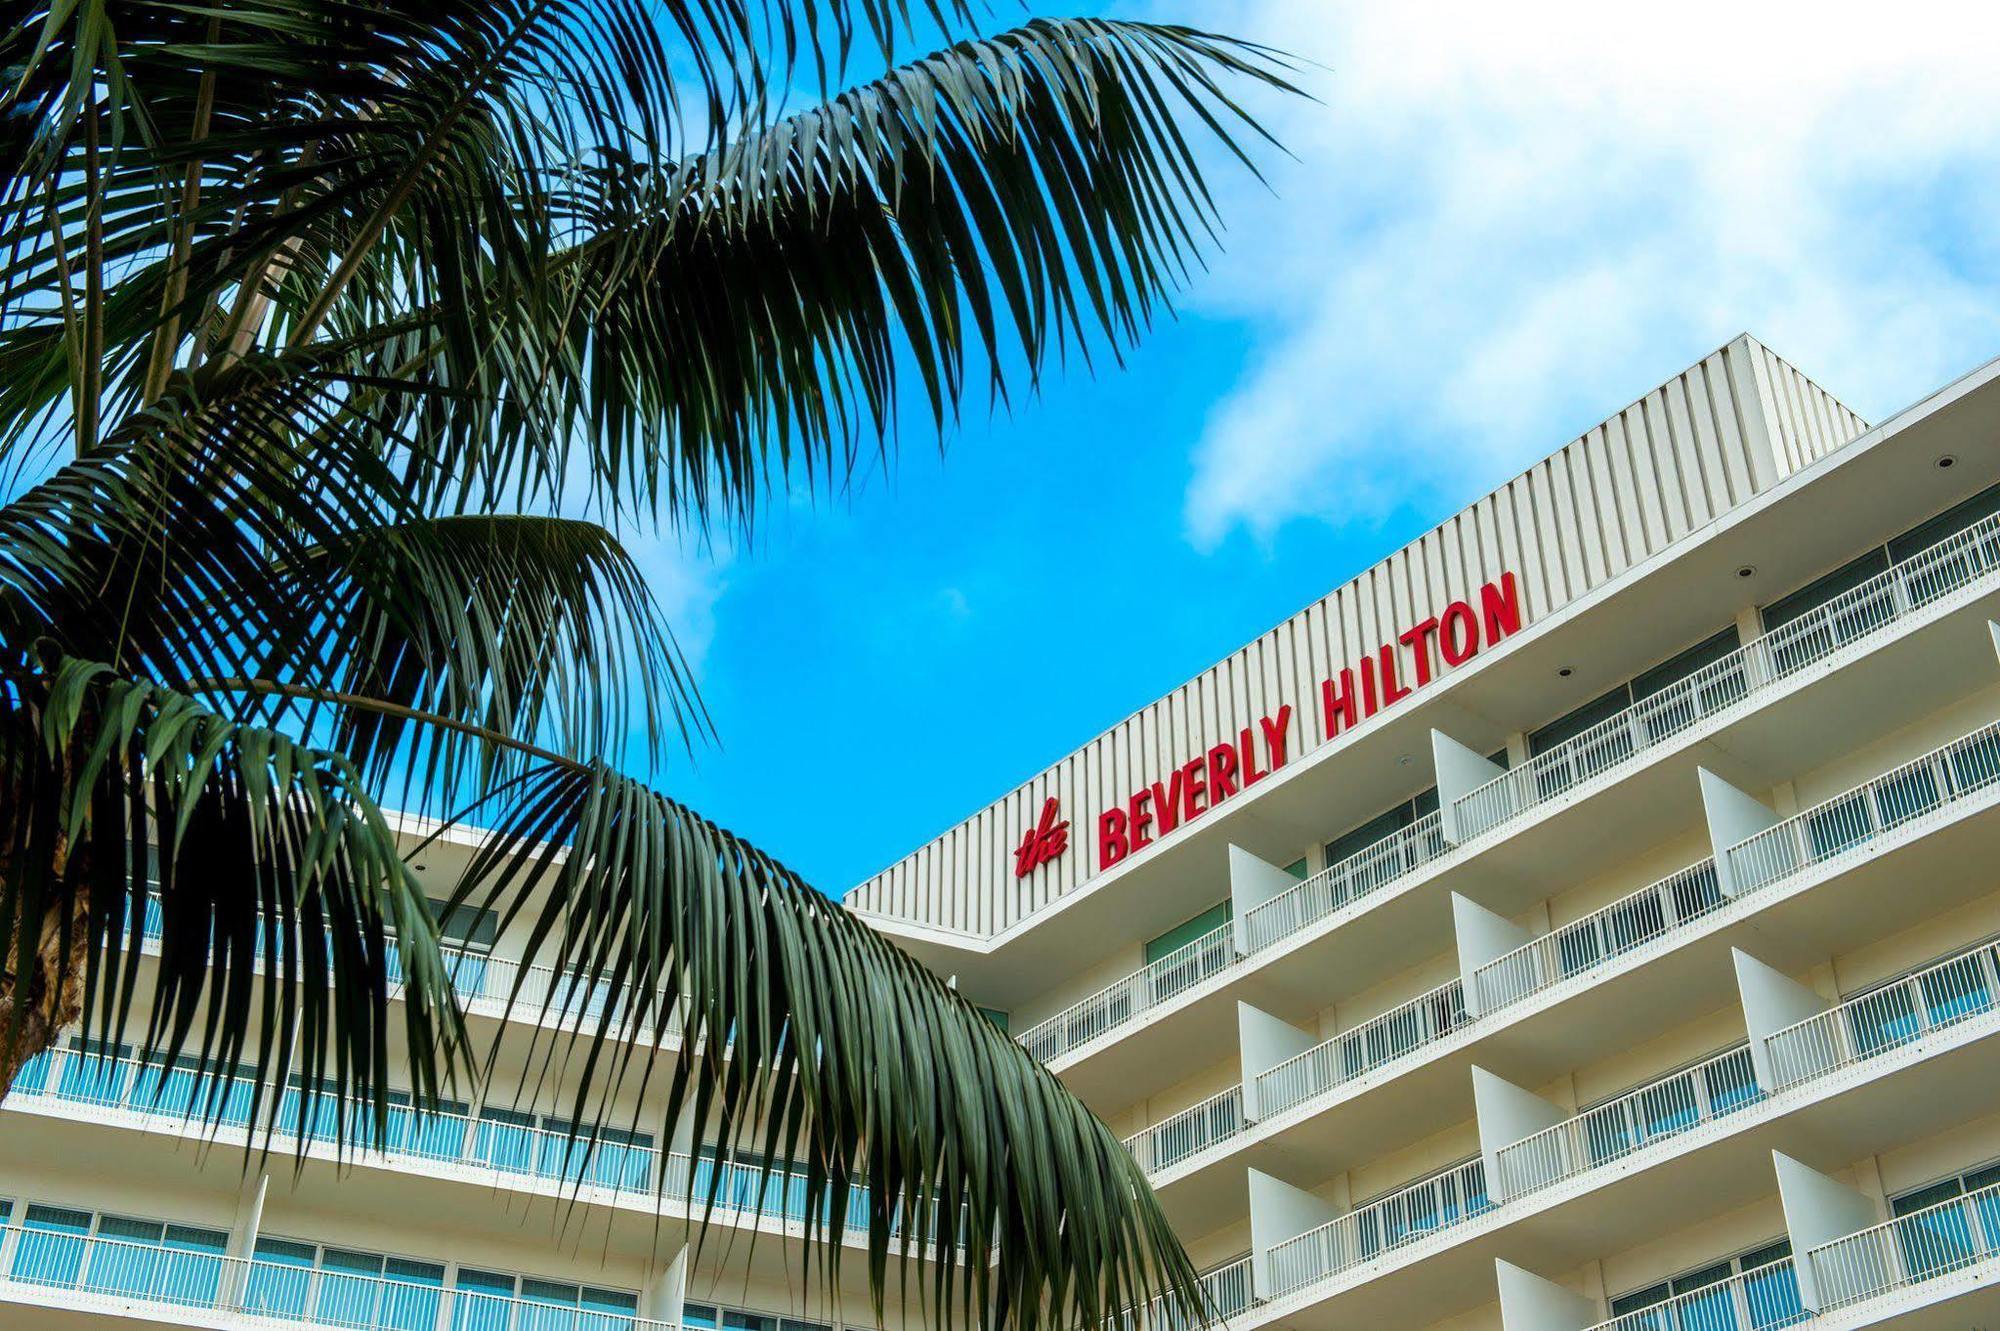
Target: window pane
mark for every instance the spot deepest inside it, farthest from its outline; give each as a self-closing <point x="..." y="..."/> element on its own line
<point x="1583" y="718"/>
<point x="1946" y="524"/>
<point x="1818" y="592"/>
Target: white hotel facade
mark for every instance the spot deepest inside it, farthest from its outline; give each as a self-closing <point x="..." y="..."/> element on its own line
<point x="1589" y="916"/>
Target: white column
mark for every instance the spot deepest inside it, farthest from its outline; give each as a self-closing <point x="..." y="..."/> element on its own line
<point x="1733" y="817"/>
<point x="1460" y="771"/>
<point x="1252" y="882"/>
<point x="1483" y="937"/>
<point x="1530" y="1303"/>
<point x="666" y="1292"/>
<point x="1265" y="1041"/>
<point x="1279" y="1211"/>
<point x="243" y="1229"/>
<point x="1772" y="1001"/>
<point x="1507" y="1114"/>
<point x="1819" y="1210"/>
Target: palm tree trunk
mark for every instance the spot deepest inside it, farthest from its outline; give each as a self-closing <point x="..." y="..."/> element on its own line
<point x="49" y="996"/>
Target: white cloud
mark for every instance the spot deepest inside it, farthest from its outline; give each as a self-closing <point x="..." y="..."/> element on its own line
<point x="687" y="578"/>
<point x="1505" y="221"/>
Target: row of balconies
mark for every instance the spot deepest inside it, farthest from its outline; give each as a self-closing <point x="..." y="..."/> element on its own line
<point x="171" y="1284"/>
<point x="1479" y="802"/>
<point x="1536" y="1157"/>
<point x="495" y="1149"/>
<point x="1285" y="1071"/>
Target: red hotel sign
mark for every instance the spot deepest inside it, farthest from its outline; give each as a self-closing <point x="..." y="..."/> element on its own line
<point x="1363" y="688"/>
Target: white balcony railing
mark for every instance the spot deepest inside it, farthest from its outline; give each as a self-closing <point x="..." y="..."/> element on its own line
<point x="1191" y="1131"/>
<point x="1384" y="1225"/>
<point x="1953" y="564"/>
<point x="1375" y="1043"/>
<point x="1676" y="1103"/>
<point x="1360" y="875"/>
<point x="485" y="981"/>
<point x="1123" y="1001"/>
<point x="1576" y="948"/>
<point x="62" y="1268"/>
<point x="509" y="1144"/>
<point x="1753" y="1300"/>
<point x="1955" y="1234"/>
<point x="1882" y="1020"/>
<point x="1225" y="1292"/>
<point x="1928" y="786"/>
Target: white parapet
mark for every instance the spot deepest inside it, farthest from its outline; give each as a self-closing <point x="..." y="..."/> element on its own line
<point x="1529" y="1302"/>
<point x="1772" y="1001"/>
<point x="1733" y="817"/>
<point x="1819" y="1210"/>
<point x="1483" y="937"/>
<point x="1252" y="882"/>
<point x="1265" y="1042"/>
<point x="1507" y="1114"/>
<point x="1460" y="771"/>
<point x="1994" y="629"/>
<point x="1279" y="1211"/>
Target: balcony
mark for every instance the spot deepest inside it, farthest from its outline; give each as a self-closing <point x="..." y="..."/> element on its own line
<point x="89" y="1273"/>
<point x="1681" y="1149"/>
<point x="1374" y="1044"/>
<point x="1124" y="1000"/>
<point x="1677" y="1103"/>
<point x="1956" y="1236"/>
<point x="485" y="983"/>
<point x="1382" y="1226"/>
<point x="1868" y="859"/>
<point x="1878" y="657"/>
<point x="1756" y="1300"/>
<point x="505" y="1150"/>
<point x="1866" y="611"/>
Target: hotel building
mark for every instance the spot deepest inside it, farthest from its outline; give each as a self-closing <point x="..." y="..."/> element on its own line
<point x="1587" y="917"/>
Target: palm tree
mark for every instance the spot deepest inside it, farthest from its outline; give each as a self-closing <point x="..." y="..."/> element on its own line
<point x="341" y="344"/>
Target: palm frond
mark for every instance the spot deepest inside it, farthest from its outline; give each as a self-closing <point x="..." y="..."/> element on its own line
<point x="284" y="912"/>
<point x="805" y="1035"/>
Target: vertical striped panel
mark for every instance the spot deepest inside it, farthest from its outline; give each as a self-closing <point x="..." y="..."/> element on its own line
<point x="1725" y="429"/>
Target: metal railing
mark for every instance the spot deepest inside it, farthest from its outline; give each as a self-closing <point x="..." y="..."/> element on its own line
<point x="1887" y="1018"/>
<point x="1900" y="591"/>
<point x="1957" y="1233"/>
<point x="1191" y="1131"/>
<point x="547" y="995"/>
<point x="1668" y="1107"/>
<point x="1375" y="1043"/>
<point x="506" y="1143"/>
<point x="1384" y="1225"/>
<point x="1583" y="945"/>
<point x="1926" y="786"/>
<point x="1360" y="875"/>
<point x="1225" y="1293"/>
<point x="1753" y="1300"/>
<point x="263" y="1291"/>
<point x="1123" y="1000"/>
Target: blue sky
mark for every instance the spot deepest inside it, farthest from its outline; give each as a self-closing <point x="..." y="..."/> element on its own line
<point x="1499" y="225"/>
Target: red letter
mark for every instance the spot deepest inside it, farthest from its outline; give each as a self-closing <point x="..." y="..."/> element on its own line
<point x="1418" y="640"/>
<point x="1111" y="843"/>
<point x="1336" y="704"/>
<point x="1369" y="703"/>
<point x="1193" y="788"/>
<point x="1392" y="692"/>
<point x="1221" y="774"/>
<point x="1246" y="752"/>
<point x="1167" y="799"/>
<point x="1502" y="605"/>
<point x="1141" y="820"/>
<point x="1275" y="730"/>
<point x="1459" y="637"/>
